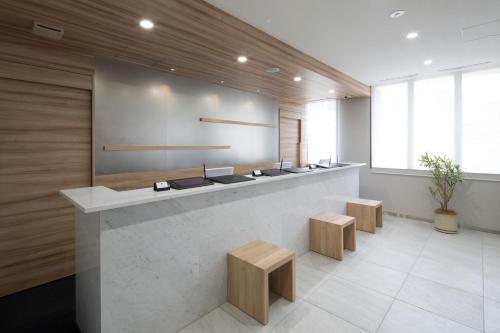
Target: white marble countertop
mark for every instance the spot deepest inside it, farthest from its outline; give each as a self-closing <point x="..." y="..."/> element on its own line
<point x="98" y="198"/>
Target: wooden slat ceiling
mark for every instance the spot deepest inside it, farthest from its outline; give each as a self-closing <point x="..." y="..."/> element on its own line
<point x="197" y="39"/>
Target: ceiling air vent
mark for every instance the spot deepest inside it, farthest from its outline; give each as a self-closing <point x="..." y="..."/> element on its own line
<point x="273" y="70"/>
<point x="47" y="31"/>
<point x="405" y="77"/>
<point x="459" y="68"/>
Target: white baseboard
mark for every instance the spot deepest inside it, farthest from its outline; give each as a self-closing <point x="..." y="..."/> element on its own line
<point x="423" y="219"/>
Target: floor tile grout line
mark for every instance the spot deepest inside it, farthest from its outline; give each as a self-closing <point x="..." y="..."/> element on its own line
<point x="351" y="283"/>
<point x="362" y="287"/>
<point x="445" y="285"/>
<point x="407" y="275"/>
<point x="386" y="267"/>
<point x="335" y="315"/>
<point x="271" y="328"/>
<point x="438" y="315"/>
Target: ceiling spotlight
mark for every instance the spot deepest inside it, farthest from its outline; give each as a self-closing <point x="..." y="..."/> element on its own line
<point x="412" y="35"/>
<point x="221" y="82"/>
<point x="242" y="59"/>
<point x="297" y="79"/>
<point x="172" y="69"/>
<point x="331" y="91"/>
<point x="146" y="24"/>
<point x="397" y="13"/>
<point x="428" y="62"/>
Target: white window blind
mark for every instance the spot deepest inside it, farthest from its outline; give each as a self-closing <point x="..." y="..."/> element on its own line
<point x="433" y="118"/>
<point x="481" y="121"/>
<point x="321" y="130"/>
<point x="454" y="115"/>
<point x="389" y="126"/>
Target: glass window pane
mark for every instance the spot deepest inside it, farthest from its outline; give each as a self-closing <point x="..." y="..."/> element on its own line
<point x="481" y="121"/>
<point x="321" y="131"/>
<point x="390" y="126"/>
<point x="433" y="118"/>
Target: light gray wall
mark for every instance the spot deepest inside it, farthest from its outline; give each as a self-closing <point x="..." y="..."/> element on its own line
<point x="477" y="202"/>
<point x="139" y="106"/>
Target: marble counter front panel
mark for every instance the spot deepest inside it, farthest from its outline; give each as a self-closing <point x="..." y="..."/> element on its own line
<point x="161" y="265"/>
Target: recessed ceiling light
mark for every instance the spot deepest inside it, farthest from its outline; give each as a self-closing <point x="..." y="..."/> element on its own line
<point x="397" y="13"/>
<point x="172" y="69"/>
<point x="331" y="91"/>
<point x="412" y="35"/>
<point x="221" y="82"/>
<point x="242" y="59"/>
<point x="146" y="24"/>
<point x="428" y="62"/>
<point x="297" y="79"/>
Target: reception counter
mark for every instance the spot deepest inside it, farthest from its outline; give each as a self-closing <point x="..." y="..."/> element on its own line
<point x="155" y="261"/>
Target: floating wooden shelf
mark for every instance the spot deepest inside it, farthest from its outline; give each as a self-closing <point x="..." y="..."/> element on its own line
<point x="137" y="148"/>
<point x="235" y="122"/>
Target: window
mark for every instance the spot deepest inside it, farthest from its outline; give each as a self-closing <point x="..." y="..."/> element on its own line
<point x="321" y="130"/>
<point x="433" y="118"/>
<point x="455" y="115"/>
<point x="390" y="126"/>
<point x="481" y="121"/>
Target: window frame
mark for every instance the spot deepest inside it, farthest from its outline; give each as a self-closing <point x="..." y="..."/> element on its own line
<point x="469" y="175"/>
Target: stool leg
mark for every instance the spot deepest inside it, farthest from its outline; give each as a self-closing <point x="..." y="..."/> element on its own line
<point x="282" y="280"/>
<point x="335" y="239"/>
<point x="248" y="289"/>
<point x="350" y="237"/>
<point x="370" y="218"/>
<point x="380" y="222"/>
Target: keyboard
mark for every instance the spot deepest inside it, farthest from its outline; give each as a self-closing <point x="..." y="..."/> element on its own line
<point x="184" y="183"/>
<point x="274" y="172"/>
<point x="230" y="179"/>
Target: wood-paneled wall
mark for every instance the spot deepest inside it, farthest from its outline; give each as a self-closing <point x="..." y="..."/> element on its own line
<point x="45" y="146"/>
<point x="46" y="101"/>
<point x="197" y="39"/>
<point x="293" y="133"/>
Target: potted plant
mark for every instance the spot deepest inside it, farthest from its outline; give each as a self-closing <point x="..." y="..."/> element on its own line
<point x="445" y="176"/>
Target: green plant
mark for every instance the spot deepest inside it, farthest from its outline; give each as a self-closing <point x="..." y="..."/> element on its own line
<point x="445" y="176"/>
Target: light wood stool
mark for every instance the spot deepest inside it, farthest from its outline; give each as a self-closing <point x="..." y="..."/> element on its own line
<point x="255" y="268"/>
<point x="368" y="214"/>
<point x="330" y="233"/>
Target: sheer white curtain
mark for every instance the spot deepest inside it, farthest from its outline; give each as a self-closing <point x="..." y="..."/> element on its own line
<point x="322" y="130"/>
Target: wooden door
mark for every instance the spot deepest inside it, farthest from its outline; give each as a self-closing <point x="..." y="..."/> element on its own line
<point x="45" y="146"/>
<point x="293" y="136"/>
<point x="290" y="140"/>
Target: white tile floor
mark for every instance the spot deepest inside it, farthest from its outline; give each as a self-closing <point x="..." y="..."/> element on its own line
<point x="405" y="278"/>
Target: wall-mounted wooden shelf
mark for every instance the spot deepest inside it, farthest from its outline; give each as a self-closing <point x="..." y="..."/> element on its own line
<point x="145" y="148"/>
<point x="234" y="122"/>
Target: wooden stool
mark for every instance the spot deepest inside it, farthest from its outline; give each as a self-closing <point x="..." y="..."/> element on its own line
<point x="368" y="214"/>
<point x="330" y="233"/>
<point x="255" y="268"/>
